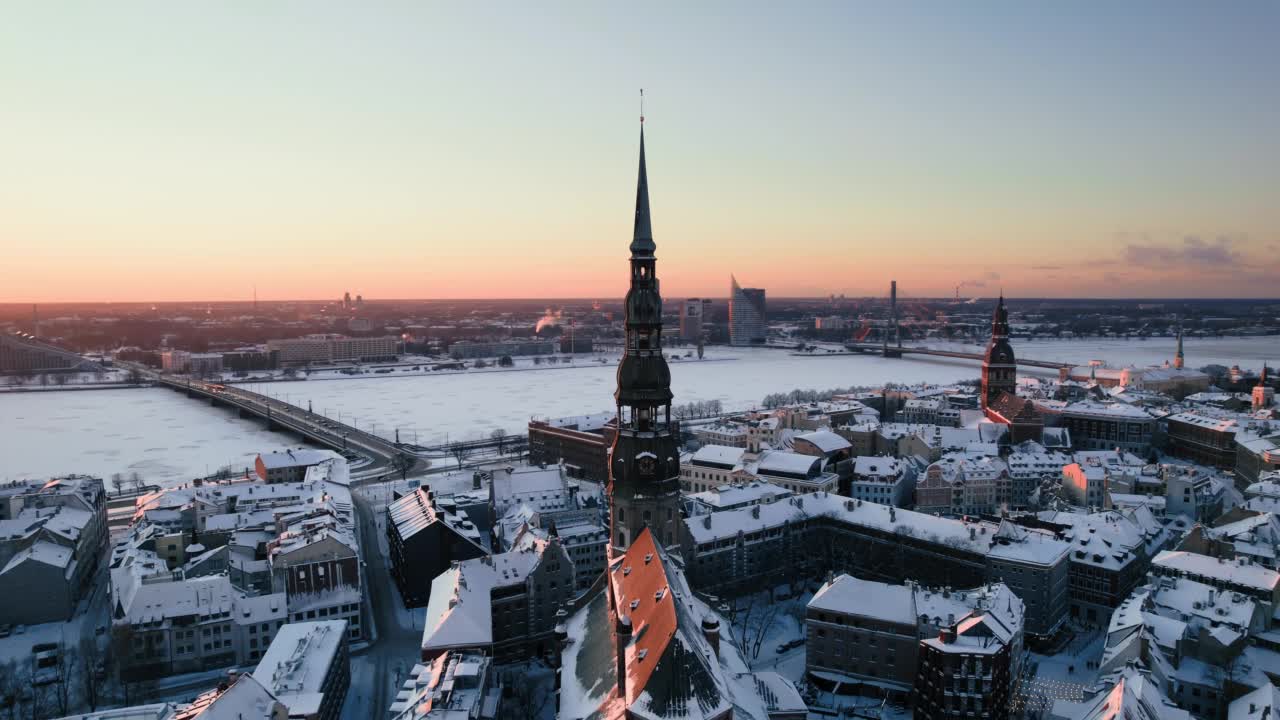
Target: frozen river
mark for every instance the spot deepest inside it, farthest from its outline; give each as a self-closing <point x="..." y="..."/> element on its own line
<point x="471" y="405"/>
<point x="168" y="438"/>
<point x="163" y="436"/>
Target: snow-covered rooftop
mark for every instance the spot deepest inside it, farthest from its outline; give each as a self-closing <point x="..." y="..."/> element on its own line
<point x="825" y="440"/>
<point x="1015" y="544"/>
<point x="459" y="610"/>
<point x="1234" y="572"/>
<point x="301" y="457"/>
<point x="296" y="664"/>
<point x="718" y="456"/>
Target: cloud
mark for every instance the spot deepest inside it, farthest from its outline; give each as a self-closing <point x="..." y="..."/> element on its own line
<point x="1046" y="267"/>
<point x="1193" y="253"/>
<point x="991" y="275"/>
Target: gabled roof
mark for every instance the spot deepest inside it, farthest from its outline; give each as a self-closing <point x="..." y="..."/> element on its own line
<point x="459" y="610"/>
<point x="246" y="699"/>
<point x="671" y="670"/>
<point x="1131" y="695"/>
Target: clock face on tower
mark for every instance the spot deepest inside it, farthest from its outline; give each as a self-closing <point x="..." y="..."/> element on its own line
<point x="646" y="465"/>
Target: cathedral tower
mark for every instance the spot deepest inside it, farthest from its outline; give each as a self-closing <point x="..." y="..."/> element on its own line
<point x="644" y="463"/>
<point x="999" y="368"/>
<point x="1263" y="394"/>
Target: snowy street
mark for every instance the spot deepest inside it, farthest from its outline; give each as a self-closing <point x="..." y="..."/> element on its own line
<point x="377" y="673"/>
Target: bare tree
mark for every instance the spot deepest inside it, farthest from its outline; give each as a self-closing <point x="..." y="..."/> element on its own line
<point x="761" y="631"/>
<point x="500" y="436"/>
<point x="401" y="463"/>
<point x="136" y="481"/>
<point x="459" y="451"/>
<point x="117" y="482"/>
<point x="92" y="671"/>
<point x="10" y="691"/>
<point x="63" y="680"/>
<point x="126" y="669"/>
<point x="529" y="699"/>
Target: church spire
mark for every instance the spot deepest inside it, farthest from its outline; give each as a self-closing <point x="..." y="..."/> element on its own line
<point x="642" y="245"/>
<point x="644" y="463"/>
<point x="1000" y="319"/>
<point x="1177" y="356"/>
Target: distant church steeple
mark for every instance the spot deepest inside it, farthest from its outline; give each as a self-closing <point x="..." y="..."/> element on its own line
<point x="1263" y="394"/>
<point x="1177" y="356"/>
<point x="999" y="368"/>
<point x="644" y="464"/>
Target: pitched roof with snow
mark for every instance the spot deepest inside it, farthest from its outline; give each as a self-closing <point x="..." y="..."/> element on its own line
<point x="825" y="440"/>
<point x="1130" y="693"/>
<point x="302" y="457"/>
<point x="718" y="456"/>
<point x="1232" y="572"/>
<point x="459" y="610"/>
<point x="780" y="463"/>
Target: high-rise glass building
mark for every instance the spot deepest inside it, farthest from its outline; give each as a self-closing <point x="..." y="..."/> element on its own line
<point x="746" y="314"/>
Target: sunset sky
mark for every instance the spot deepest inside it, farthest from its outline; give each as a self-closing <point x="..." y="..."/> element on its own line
<point x="190" y="151"/>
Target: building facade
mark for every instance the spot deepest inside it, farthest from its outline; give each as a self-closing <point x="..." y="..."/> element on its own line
<point x="693" y="313"/>
<point x="425" y="538"/>
<point x="322" y="349"/>
<point x="582" y="443"/>
<point x="747" y="315"/>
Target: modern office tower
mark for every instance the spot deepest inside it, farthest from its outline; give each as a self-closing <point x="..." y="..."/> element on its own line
<point x="746" y="314"/>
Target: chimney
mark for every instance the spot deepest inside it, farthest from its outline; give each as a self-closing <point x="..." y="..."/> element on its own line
<point x="475" y="480"/>
<point x="622" y="634"/>
<point x="562" y="638"/>
<point x="711" y="631"/>
<point x="892" y="515"/>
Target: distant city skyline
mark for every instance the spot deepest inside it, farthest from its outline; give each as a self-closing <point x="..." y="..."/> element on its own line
<point x="161" y="153"/>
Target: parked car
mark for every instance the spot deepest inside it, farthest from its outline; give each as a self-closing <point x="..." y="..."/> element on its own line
<point x="788" y="645"/>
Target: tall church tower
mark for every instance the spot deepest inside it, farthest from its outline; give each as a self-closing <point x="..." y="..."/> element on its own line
<point x="999" y="368"/>
<point x="1178" y="359"/>
<point x="1263" y="394"/>
<point x="644" y="463"/>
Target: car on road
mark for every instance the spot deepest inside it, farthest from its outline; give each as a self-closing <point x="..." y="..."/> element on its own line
<point x="789" y="645"/>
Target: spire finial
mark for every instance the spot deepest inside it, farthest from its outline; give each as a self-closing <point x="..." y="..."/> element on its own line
<point x="642" y="106"/>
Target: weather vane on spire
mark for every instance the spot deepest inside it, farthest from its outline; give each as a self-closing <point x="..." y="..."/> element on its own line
<point x="641" y="106"/>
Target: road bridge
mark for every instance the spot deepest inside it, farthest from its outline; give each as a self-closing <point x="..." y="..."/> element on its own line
<point x="384" y="455"/>
<point x="901" y="351"/>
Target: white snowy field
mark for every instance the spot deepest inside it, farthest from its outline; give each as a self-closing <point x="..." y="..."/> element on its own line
<point x="168" y="438"/>
<point x="163" y="436"/>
